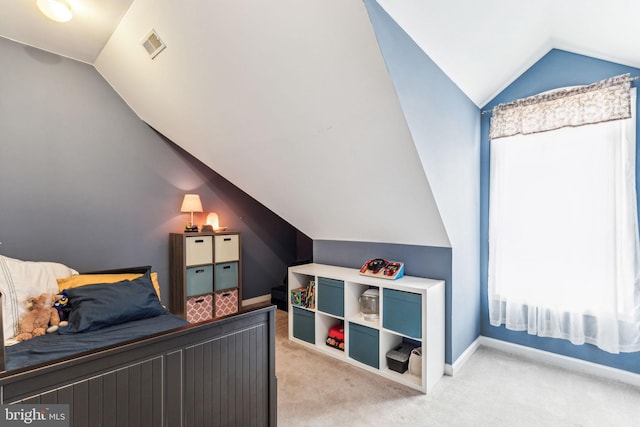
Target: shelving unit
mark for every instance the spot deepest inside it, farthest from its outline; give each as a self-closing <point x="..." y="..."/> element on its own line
<point x="411" y="310"/>
<point x="205" y="275"/>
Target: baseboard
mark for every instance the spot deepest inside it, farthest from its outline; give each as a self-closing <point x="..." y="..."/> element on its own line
<point x="451" y="369"/>
<point x="256" y="300"/>
<point x="561" y="361"/>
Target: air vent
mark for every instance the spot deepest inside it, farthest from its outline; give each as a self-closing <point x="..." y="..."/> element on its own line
<point x="153" y="44"/>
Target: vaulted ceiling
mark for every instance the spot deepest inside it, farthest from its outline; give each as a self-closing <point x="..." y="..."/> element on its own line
<point x="481" y="46"/>
<point x="291" y="101"/>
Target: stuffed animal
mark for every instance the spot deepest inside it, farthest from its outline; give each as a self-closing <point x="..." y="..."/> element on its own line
<point x="62" y="305"/>
<point x="39" y="316"/>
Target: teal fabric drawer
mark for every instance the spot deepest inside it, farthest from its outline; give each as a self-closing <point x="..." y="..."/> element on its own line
<point x="331" y="296"/>
<point x="226" y="275"/>
<point x="199" y="280"/>
<point x="364" y="344"/>
<point x="402" y="312"/>
<point x="304" y="325"/>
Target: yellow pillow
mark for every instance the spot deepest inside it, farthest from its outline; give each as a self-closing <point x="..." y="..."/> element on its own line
<point x="156" y="284"/>
<point x="91" y="279"/>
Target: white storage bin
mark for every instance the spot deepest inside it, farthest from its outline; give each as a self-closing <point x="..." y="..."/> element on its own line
<point x="227" y="248"/>
<point x="199" y="250"/>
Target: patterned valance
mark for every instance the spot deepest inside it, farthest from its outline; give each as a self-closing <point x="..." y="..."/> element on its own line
<point x="598" y="102"/>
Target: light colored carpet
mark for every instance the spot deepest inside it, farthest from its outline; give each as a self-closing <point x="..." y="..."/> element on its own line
<point x="493" y="389"/>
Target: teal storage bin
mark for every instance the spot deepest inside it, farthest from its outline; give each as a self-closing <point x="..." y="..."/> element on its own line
<point x="364" y="344"/>
<point x="226" y="276"/>
<point x="199" y="280"/>
<point x="304" y="325"/>
<point x="331" y="296"/>
<point x="402" y="312"/>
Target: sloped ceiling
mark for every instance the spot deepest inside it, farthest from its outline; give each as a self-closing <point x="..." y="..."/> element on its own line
<point x="291" y="100"/>
<point x="483" y="46"/>
<point x="299" y="113"/>
<point x="81" y="39"/>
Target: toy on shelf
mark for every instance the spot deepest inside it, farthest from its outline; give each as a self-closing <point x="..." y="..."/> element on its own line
<point x="335" y="338"/>
<point x="382" y="268"/>
<point x="298" y="296"/>
<point x="304" y="297"/>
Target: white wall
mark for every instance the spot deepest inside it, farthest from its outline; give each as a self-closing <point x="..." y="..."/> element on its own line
<point x="291" y="101"/>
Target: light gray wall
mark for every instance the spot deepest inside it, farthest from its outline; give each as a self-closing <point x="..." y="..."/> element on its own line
<point x="85" y="182"/>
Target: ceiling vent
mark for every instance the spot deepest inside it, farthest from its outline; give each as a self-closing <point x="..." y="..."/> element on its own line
<point x="153" y="44"/>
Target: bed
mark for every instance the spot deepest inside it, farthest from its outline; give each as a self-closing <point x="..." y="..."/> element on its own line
<point x="156" y="370"/>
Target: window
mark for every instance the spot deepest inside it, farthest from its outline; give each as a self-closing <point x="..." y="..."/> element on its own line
<point x="563" y="233"/>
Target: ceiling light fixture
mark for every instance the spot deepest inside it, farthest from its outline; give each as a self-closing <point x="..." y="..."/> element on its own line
<point x="56" y="10"/>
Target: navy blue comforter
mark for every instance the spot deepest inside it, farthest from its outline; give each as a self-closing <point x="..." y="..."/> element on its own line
<point x="51" y="347"/>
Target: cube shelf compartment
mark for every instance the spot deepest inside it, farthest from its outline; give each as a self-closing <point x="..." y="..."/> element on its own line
<point x="411" y="310"/>
<point x="364" y="344"/>
<point x="304" y="325"/>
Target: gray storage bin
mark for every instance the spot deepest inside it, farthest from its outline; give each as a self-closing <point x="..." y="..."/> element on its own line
<point x="402" y="311"/>
<point x="364" y="344"/>
<point x="331" y="296"/>
<point x="199" y="280"/>
<point x="226" y="276"/>
<point x="304" y="325"/>
<point x="398" y="358"/>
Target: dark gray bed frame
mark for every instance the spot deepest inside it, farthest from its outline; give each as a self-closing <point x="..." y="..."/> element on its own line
<point x="218" y="373"/>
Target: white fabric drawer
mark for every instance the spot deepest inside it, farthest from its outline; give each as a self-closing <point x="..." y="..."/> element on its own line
<point x="227" y="248"/>
<point x="199" y="250"/>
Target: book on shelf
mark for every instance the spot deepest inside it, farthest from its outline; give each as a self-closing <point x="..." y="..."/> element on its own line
<point x="304" y="296"/>
<point x="310" y="300"/>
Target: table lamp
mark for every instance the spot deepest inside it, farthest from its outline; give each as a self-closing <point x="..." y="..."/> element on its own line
<point x="191" y="203"/>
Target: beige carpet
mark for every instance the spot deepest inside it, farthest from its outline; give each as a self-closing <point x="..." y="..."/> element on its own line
<point x="493" y="389"/>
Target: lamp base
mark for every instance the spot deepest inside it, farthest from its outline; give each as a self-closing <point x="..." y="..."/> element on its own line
<point x="193" y="229"/>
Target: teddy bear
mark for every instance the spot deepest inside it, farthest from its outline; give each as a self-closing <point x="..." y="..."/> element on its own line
<point x="41" y="317"/>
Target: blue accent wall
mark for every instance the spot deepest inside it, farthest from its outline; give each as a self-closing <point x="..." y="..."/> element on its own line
<point x="85" y="182"/>
<point x="556" y="69"/>
<point x="445" y="127"/>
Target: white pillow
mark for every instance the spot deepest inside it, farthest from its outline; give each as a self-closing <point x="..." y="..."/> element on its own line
<point x="22" y="279"/>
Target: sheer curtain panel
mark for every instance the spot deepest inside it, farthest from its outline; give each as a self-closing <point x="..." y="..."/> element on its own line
<point x="563" y="230"/>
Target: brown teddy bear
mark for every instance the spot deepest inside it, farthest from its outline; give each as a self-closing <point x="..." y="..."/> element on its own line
<point x="40" y="314"/>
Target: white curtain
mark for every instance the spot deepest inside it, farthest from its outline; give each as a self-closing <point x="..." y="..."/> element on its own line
<point x="563" y="234"/>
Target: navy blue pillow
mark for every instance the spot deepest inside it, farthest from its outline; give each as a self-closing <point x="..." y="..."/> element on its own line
<point x="105" y="304"/>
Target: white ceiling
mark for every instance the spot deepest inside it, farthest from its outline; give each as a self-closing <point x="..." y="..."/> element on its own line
<point x="481" y="46"/>
<point x="291" y="101"/>
<point x="82" y="38"/>
<point x="485" y="45"/>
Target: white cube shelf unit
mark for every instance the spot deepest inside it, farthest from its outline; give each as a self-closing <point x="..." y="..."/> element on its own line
<point x="411" y="310"/>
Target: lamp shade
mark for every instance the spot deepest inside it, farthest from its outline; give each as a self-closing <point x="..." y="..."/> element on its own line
<point x="191" y="203"/>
